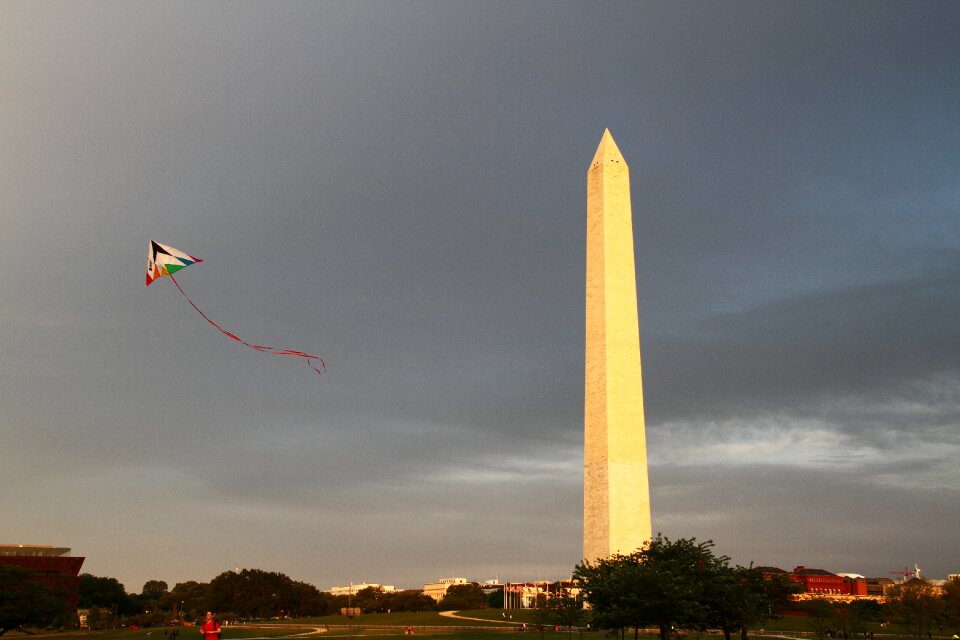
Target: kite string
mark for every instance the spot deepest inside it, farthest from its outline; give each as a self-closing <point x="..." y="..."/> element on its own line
<point x="264" y="349"/>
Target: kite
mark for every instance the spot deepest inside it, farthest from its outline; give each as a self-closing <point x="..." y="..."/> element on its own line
<point x="163" y="260"/>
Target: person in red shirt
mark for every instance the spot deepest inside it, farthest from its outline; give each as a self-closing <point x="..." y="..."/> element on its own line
<point x="210" y="629"/>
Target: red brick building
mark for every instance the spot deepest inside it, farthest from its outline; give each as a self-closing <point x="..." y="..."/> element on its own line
<point x="56" y="568"/>
<point x="822" y="582"/>
<point x="855" y="585"/>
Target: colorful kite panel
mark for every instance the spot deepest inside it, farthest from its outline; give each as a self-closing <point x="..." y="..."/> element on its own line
<point x="164" y="261"/>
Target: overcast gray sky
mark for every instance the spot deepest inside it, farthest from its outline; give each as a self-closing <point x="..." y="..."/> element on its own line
<point x="400" y="187"/>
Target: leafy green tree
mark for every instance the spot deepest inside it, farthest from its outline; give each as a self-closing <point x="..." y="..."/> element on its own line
<point x="951" y="603"/>
<point x="106" y="593"/>
<point x="917" y="607"/>
<point x="154" y="588"/>
<point x="495" y="599"/>
<point x="409" y="600"/>
<point x="742" y="597"/>
<point x="571" y="614"/>
<point x="149" y="618"/>
<point x="304" y="600"/>
<point x="542" y="613"/>
<point x="559" y="608"/>
<point x="848" y="620"/>
<point x="664" y="584"/>
<point x="96" y="618"/>
<point x="336" y="603"/>
<point x="463" y="596"/>
<point x="191" y="597"/>
<point x="370" y="600"/>
<point x="25" y="601"/>
<point x="147" y="600"/>
<point x="868" y="610"/>
<point x="820" y="615"/>
<point x="732" y="599"/>
<point x="778" y="592"/>
<point x="251" y="593"/>
<point x="604" y="586"/>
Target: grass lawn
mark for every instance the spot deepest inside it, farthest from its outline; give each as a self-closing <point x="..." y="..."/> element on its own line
<point x="490" y="625"/>
<point x="297" y="631"/>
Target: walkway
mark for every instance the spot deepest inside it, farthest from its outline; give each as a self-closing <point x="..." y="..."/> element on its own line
<point x="453" y="614"/>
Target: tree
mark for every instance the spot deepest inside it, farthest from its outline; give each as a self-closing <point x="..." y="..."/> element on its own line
<point x="463" y="596"/>
<point x="951" y="602"/>
<point x="849" y="620"/>
<point x="613" y="587"/>
<point x="743" y="597"/>
<point x="96" y="618"/>
<point x="25" y="601"/>
<point x="733" y="600"/>
<point x="154" y="588"/>
<point x="304" y="600"/>
<point x="542" y="613"/>
<point x="915" y="605"/>
<point x="820" y="614"/>
<point x="251" y="593"/>
<point x="370" y="600"/>
<point x="336" y="603"/>
<point x="106" y="593"/>
<point x="148" y="600"/>
<point x="559" y="608"/>
<point x="868" y="610"/>
<point x="191" y="598"/>
<point x="409" y="600"/>
<point x="570" y="612"/>
<point x="664" y="584"/>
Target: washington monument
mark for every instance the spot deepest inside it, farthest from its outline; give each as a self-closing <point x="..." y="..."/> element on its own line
<point x="616" y="491"/>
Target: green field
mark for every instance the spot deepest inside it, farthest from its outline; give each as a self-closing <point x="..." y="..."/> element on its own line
<point x="488" y="624"/>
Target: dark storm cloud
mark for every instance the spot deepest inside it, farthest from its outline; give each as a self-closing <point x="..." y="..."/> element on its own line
<point x="881" y="337"/>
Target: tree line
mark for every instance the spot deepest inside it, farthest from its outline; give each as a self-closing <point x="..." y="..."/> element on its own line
<point x="234" y="595"/>
<point x="251" y="594"/>
<point x="682" y="584"/>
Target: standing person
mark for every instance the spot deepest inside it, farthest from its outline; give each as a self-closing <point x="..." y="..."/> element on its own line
<point x="210" y="629"/>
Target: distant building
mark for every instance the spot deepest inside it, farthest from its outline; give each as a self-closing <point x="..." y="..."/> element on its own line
<point x="353" y="589"/>
<point x="523" y="595"/>
<point x="438" y="589"/>
<point x="879" y="587"/>
<point x="817" y="581"/>
<point x="519" y="595"/>
<point x="56" y="568"/>
<point x="854" y="584"/>
<point x="934" y="586"/>
<point x="770" y="572"/>
<point x="490" y="586"/>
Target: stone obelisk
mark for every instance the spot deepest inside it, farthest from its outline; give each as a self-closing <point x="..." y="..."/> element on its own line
<point x="616" y="491"/>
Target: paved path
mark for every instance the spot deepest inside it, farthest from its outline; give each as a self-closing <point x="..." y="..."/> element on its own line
<point x="453" y="614"/>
